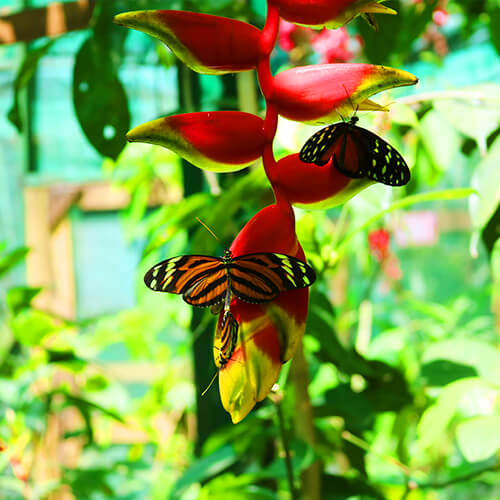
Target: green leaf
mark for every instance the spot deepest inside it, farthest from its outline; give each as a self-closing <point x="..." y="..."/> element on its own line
<point x="11" y="259"/>
<point x="482" y="357"/>
<point x="24" y="75"/>
<point x="342" y="401"/>
<point x="204" y="468"/>
<point x="491" y="231"/>
<point x="99" y="99"/>
<point x="30" y="327"/>
<point x="495" y="25"/>
<point x="469" y="118"/>
<point x="237" y="488"/>
<point x="440" y="372"/>
<point x="20" y="297"/>
<point x="479" y="438"/>
<point x="485" y="180"/>
<point x="335" y="487"/>
<point x="435" y="420"/>
<point x="440" y="139"/>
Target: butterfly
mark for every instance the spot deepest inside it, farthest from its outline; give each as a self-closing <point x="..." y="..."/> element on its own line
<point x="205" y="281"/>
<point x="356" y="152"/>
<point x="225" y="340"/>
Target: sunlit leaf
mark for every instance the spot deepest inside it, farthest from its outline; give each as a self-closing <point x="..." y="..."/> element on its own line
<point x="30" y="327"/>
<point x="440" y="139"/>
<point x="479" y="438"/>
<point x="486" y="180"/>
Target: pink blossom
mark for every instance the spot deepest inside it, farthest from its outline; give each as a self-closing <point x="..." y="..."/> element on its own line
<point x="440" y="17"/>
<point x="335" y="46"/>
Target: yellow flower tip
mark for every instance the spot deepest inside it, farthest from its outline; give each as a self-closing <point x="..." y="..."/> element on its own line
<point x="150" y="132"/>
<point x="377" y="8"/>
<point x="124" y="18"/>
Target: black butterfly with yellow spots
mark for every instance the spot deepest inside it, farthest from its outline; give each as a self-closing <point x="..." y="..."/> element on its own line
<point x="205" y="281"/>
<point x="357" y="153"/>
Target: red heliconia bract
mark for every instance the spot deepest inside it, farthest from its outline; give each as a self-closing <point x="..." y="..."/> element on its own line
<point x="207" y="44"/>
<point x="221" y="141"/>
<point x="269" y="333"/>
<point x="307" y="185"/>
<point x="327" y="13"/>
<point x="328" y="92"/>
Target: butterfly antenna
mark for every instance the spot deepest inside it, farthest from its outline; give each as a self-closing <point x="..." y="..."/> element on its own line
<point x="207" y="228"/>
<point x="210" y="384"/>
<point x="354" y="108"/>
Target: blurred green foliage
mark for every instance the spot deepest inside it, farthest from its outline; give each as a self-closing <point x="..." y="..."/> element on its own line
<point x="404" y="367"/>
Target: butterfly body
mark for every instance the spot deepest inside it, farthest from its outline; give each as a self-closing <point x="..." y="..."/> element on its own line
<point x="356" y="152"/>
<point x="205" y="281"/>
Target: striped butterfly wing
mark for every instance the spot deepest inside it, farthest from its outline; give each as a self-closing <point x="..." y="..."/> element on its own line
<point x="200" y="279"/>
<point x="260" y="277"/>
<point x="225" y="340"/>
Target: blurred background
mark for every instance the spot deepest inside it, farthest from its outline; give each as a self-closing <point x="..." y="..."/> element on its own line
<point x="101" y="379"/>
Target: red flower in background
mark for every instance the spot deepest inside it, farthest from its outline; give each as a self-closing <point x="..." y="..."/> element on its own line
<point x="379" y="242"/>
<point x="440" y="17"/>
<point x="336" y="46"/>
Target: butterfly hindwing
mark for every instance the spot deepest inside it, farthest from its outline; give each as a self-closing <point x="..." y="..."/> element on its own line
<point x="382" y="162"/>
<point x="225" y="339"/>
<point x="260" y="277"/>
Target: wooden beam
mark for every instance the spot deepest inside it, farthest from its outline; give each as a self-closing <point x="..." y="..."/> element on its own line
<point x="53" y="20"/>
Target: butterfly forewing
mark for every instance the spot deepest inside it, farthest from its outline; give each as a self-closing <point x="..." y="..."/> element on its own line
<point x="201" y="279"/>
<point x="315" y="147"/>
<point x="260" y="277"/>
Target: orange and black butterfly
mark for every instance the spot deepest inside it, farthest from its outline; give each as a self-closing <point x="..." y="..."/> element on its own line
<point x="225" y="340"/>
<point x="205" y="281"/>
<point x="356" y="152"/>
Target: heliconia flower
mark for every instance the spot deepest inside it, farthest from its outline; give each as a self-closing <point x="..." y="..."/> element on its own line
<point x="323" y="93"/>
<point x="220" y="141"/>
<point x="269" y="333"/>
<point x="311" y="186"/>
<point x="327" y="13"/>
<point x="207" y="44"/>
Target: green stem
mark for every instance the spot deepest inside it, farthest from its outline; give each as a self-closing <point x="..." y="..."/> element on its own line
<point x="436" y="485"/>
<point x="286" y="448"/>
